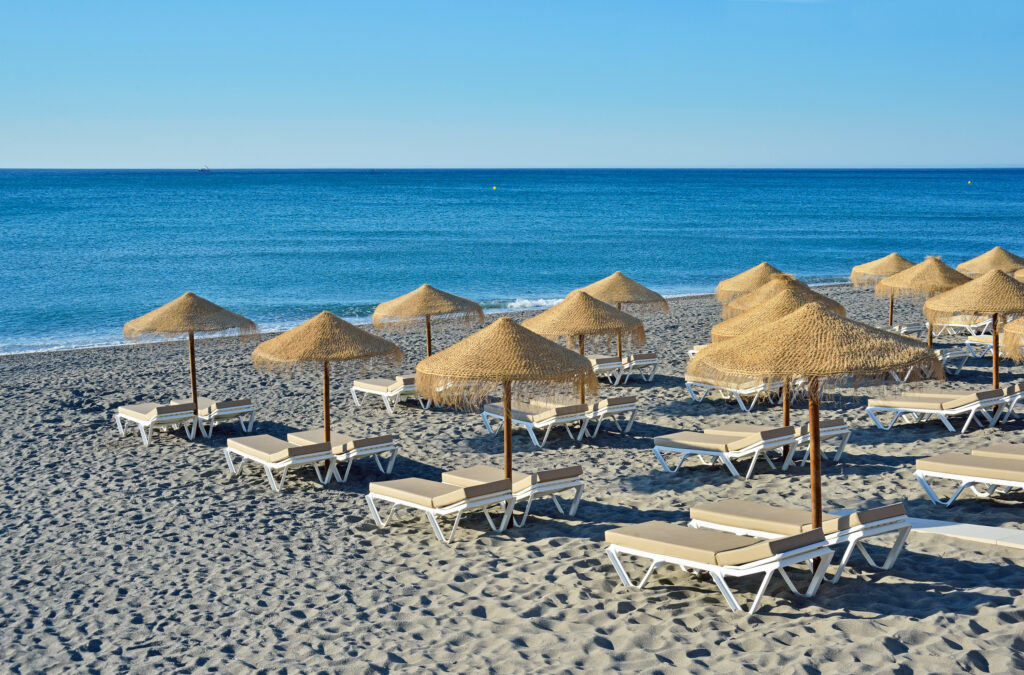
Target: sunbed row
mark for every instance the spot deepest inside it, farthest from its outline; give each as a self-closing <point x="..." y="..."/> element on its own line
<point x="988" y="405"/>
<point x="537" y="415"/>
<point x="150" y="417"/>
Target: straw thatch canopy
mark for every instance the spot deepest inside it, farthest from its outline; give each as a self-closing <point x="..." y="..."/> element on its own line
<point x="870" y="273"/>
<point x="1013" y="334"/>
<point x="322" y="339"/>
<point x="618" y="289"/>
<point x="185" y="314"/>
<point x="779" y="283"/>
<point x="923" y="280"/>
<point x="997" y="258"/>
<point x="423" y="302"/>
<point x="744" y="282"/>
<point x="809" y="342"/>
<point x="581" y="315"/>
<point x="992" y="293"/>
<point x="779" y="305"/>
<point x="1019" y="275"/>
<point x="465" y="374"/>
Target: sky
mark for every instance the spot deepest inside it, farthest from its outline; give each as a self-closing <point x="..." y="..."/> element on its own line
<point x="449" y="84"/>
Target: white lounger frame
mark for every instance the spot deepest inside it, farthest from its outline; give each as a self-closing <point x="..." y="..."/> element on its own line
<point x="391" y="398"/>
<point x="978" y="328"/>
<point x="351" y="456"/>
<point x="547" y="425"/>
<point x="826" y="434"/>
<point x="915" y="415"/>
<point x="754" y="451"/>
<point x="185" y="420"/>
<point x="482" y="502"/>
<point x="235" y="413"/>
<point x="548" y="489"/>
<point x="767" y="566"/>
<point x="853" y="538"/>
<point x="611" y="413"/>
<point x="613" y="370"/>
<point x="645" y="369"/>
<point x="966" y="481"/>
<point x="771" y="391"/>
<point x="276" y="484"/>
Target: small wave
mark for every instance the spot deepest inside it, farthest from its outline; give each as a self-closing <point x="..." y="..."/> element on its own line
<point x="524" y="303"/>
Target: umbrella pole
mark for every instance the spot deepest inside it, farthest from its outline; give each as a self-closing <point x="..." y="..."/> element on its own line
<point x="892" y="297"/>
<point x="506" y="427"/>
<point x="815" y="450"/>
<point x="192" y="371"/>
<point x="618" y="337"/>
<point x="995" y="351"/>
<point x="929" y="324"/>
<point x="429" y="348"/>
<point x="785" y="417"/>
<point x="327" y="409"/>
<point x="583" y="386"/>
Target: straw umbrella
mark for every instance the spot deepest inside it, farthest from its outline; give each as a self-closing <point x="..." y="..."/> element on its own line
<point x="997" y="258"/>
<point x="870" y="273"/>
<point x="618" y="289"/>
<point x="426" y="302"/>
<point x="993" y="293"/>
<point x="922" y="281"/>
<point x="1013" y="333"/>
<point x="322" y="339"/>
<point x="744" y="282"/>
<point x="779" y="283"/>
<point x="775" y="307"/>
<point x="499" y="355"/>
<point x="815" y="344"/>
<point x="580" y="316"/>
<point x="189" y="314"/>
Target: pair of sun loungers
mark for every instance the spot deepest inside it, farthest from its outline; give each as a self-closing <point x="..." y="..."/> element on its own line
<point x="980" y="406"/>
<point x="391" y="392"/>
<point x="734" y="538"/>
<point x="151" y="417"/>
<point x="479" y="487"/>
<point x="998" y="467"/>
<point x="732" y="442"/>
<point x="536" y="416"/>
<point x="307" y="448"/>
<point x="618" y="371"/>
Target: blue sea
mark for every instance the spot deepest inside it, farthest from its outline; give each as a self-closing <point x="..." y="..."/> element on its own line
<point x="84" y="251"/>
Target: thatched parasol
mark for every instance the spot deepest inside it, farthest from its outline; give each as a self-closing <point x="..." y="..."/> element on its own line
<point x="811" y="343"/>
<point x="618" y="289"/>
<point x="779" y="283"/>
<point x="868" y="274"/>
<point x="744" y="282"/>
<point x="426" y="302"/>
<point x="993" y="293"/>
<point x="323" y="339"/>
<point x="189" y="314"/>
<point x="1013" y="333"/>
<point x="775" y="307"/>
<point x="504" y="352"/>
<point x="922" y="281"/>
<point x="997" y="258"/>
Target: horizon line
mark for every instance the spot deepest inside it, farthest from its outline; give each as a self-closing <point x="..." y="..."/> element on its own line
<point x="204" y="168"/>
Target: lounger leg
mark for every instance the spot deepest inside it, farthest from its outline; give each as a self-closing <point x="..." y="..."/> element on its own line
<point x="526" y="513"/>
<point x="729" y="465"/>
<point x="145" y="438"/>
<point x="252" y="420"/>
<point x="894" y="552"/>
<point x="276" y="485"/>
<point x="629" y="425"/>
<point x="533" y="436"/>
<point x="620" y="570"/>
<point x="437" y="528"/>
<point x="842" y="447"/>
<point x="190" y="428"/>
<point x="355" y="397"/>
<point x="487" y="424"/>
<point x="935" y="499"/>
<point x="575" y="501"/>
<point x="325" y="476"/>
<point x="583" y="430"/>
<point x="387" y="404"/>
<point x="231" y="465"/>
<point x="854" y="542"/>
<point x="381" y="522"/>
<point x="730" y="599"/>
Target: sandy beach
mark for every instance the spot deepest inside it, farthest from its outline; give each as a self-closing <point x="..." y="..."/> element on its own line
<point x="117" y="557"/>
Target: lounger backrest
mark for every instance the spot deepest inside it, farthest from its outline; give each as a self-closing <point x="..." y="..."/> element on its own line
<point x="169" y="410"/>
<point x="551" y="475"/>
<point x="613" y="402"/>
<point x="315" y="448"/>
<point x="227" y="405"/>
<point x="968" y="399"/>
<point x="406" y="380"/>
<point x="560" y="411"/>
<point x="503" y="485"/>
<point x="767" y="548"/>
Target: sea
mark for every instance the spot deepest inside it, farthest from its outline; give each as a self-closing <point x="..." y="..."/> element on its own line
<point x="82" y="252"/>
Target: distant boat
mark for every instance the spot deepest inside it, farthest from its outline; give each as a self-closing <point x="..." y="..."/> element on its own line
<point x="205" y="169"/>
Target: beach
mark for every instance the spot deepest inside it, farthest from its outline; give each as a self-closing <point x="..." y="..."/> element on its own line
<point x="118" y="557"/>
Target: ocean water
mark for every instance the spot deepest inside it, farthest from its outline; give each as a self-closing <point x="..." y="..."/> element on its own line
<point x="84" y="251"/>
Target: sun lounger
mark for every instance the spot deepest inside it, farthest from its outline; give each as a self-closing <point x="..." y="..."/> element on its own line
<point x="391" y="392"/>
<point x="274" y="454"/>
<point x="914" y="329"/>
<point x="761" y="520"/>
<point x="644" y="365"/>
<point x="828" y="430"/>
<point x="920" y="405"/>
<point x="953" y="359"/>
<point x="612" y="409"/>
<point x="348" y="449"/>
<point x="1004" y="450"/>
<point x="693" y="350"/>
<point x="609" y="367"/>
<point x="720" y="554"/>
<point x="525" y="487"/>
<point x="212" y="413"/>
<point x="959" y="325"/>
<point x="439" y="499"/>
<point x="970" y="470"/>
<point x="745" y="397"/>
<point x="722" y="446"/>
<point x="152" y="416"/>
<point x="535" y="416"/>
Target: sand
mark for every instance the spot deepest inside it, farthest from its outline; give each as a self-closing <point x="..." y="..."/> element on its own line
<point x="120" y="557"/>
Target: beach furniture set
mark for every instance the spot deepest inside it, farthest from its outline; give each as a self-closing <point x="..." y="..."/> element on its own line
<point x="998" y="467"/>
<point x="182" y="414"/>
<point x="537" y="416"/>
<point x="980" y="407"/>
<point x="618" y="370"/>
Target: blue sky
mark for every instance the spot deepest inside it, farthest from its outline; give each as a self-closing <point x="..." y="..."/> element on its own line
<point x="711" y="83"/>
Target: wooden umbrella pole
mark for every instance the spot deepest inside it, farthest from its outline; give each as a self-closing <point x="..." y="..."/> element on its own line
<point x="785" y="417"/>
<point x="892" y="300"/>
<point x="815" y="450"/>
<point x="618" y="337"/>
<point x="929" y="325"/>
<point x="327" y="402"/>
<point x="506" y="427"/>
<point x="583" y="386"/>
<point x="995" y="352"/>
<point x="430" y="349"/>
<point x="192" y="371"/>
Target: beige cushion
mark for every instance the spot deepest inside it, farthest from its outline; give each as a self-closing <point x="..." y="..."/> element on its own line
<point x="602" y="360"/>
<point x="786" y="521"/>
<point x="763" y="431"/>
<point x="916" y="403"/>
<point x="642" y="356"/>
<point x="378" y="385"/>
<point x="967" y="399"/>
<point x="823" y="425"/>
<point x="339" y="442"/>
<point x="982" y="339"/>
<point x="208" y="406"/>
<point x="406" y="380"/>
<point x="147" y="411"/>
<point x="708" y="440"/>
<point x="537" y="412"/>
<point x="838" y="522"/>
<point x="433" y="494"/>
<point x="204" y="404"/>
<point x="613" y="402"/>
<point x="1012" y="389"/>
<point x="271" y="449"/>
<point x="1006" y="450"/>
<point x="766" y="548"/>
<point x="977" y="466"/>
<point x="481" y="473"/>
